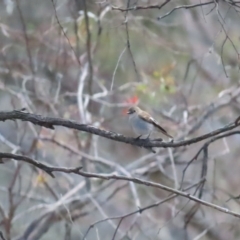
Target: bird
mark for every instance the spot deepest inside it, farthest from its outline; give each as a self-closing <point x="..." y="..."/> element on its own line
<point x="143" y="124"/>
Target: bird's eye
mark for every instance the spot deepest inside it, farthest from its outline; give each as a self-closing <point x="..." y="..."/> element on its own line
<point x="131" y="111"/>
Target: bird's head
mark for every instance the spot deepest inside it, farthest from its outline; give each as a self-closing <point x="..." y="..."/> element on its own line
<point x="133" y="110"/>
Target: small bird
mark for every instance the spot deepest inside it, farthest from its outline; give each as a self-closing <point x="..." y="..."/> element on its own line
<point x="143" y="123"/>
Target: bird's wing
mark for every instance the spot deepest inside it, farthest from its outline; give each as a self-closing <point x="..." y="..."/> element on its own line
<point x="148" y="118"/>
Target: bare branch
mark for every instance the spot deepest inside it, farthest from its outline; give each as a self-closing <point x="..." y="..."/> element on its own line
<point x="50" y="122"/>
<point x="156" y="6"/>
<point x="204" y="147"/>
<point x="160" y="186"/>
<point x="128" y="42"/>
<point x="26" y="38"/>
<point x="88" y="47"/>
<point x="47" y="168"/>
<point x="1" y="236"/>
<point x="140" y="210"/>
<point x="77" y="171"/>
<point x="185" y="7"/>
<point x="65" y="35"/>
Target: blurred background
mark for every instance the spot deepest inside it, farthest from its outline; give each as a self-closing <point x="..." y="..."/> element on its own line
<point x="88" y="61"/>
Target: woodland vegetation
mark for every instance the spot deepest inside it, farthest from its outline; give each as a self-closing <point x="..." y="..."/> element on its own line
<point x="71" y="167"/>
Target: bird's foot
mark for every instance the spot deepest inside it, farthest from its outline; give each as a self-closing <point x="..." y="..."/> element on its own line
<point x="147" y="138"/>
<point x="138" y="138"/>
<point x="151" y="149"/>
<point x="158" y="139"/>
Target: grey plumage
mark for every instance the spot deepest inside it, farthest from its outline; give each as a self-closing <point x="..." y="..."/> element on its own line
<point x="143" y="123"/>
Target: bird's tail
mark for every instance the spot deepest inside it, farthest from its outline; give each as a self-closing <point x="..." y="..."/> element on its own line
<point x="162" y="130"/>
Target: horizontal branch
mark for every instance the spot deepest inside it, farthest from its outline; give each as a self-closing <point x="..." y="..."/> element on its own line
<point x="160" y="186"/>
<point x="163" y="187"/>
<point x="50" y="122"/>
<point x="50" y="169"/>
<point x="46" y="168"/>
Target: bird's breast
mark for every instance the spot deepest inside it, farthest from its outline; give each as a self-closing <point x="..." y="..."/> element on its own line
<point x="140" y="126"/>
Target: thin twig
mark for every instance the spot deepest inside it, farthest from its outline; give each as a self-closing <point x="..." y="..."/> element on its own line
<point x="1" y="236"/>
<point x="156" y="6"/>
<point x="115" y="232"/>
<point x="140" y="210"/>
<point x="26" y="38"/>
<point x="205" y="154"/>
<point x="185" y="7"/>
<point x="115" y="70"/>
<point x="65" y="35"/>
<point x="88" y="46"/>
<point x="128" y="42"/>
<point x="163" y="187"/>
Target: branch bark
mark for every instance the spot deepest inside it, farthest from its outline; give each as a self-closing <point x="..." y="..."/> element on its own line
<point x="46" y="168"/>
<point x="51" y="122"/>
